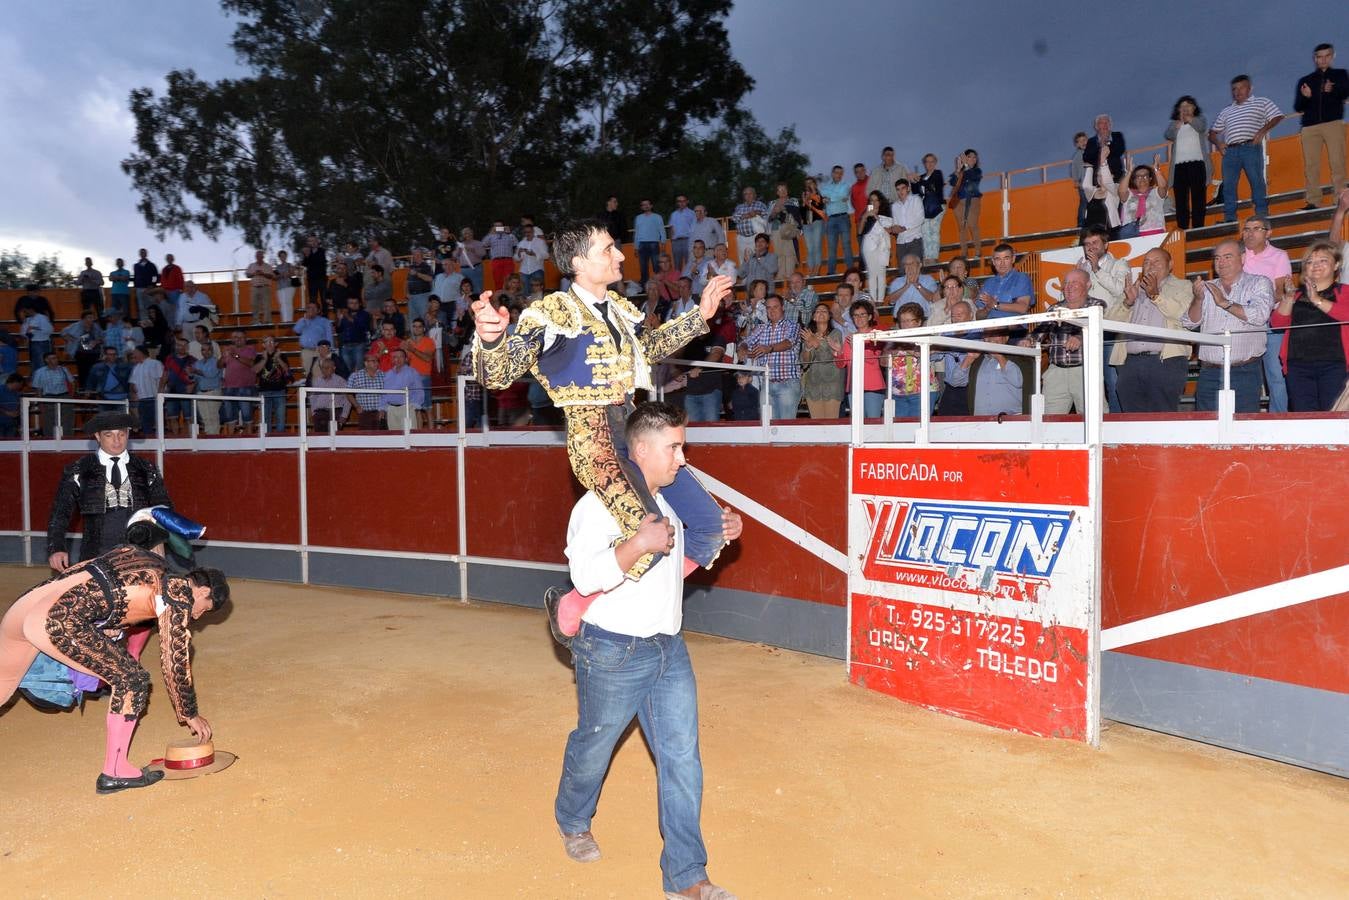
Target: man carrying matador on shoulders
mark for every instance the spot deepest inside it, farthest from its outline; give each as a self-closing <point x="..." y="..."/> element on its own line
<point x="589" y="350"/>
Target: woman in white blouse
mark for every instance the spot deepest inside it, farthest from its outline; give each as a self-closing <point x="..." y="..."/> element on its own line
<point x="1190" y="156"/>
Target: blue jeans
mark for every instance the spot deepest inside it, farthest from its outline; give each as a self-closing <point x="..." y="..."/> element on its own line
<point x="838" y="230"/>
<point x="145" y="411"/>
<point x="417" y="307"/>
<point x="37" y="350"/>
<point x="353" y="354"/>
<point x="274" y="408"/>
<point x="814" y="233"/>
<point x="1246" y="382"/>
<point x="473" y="276"/>
<point x="1278" y="391"/>
<point x="648" y="252"/>
<point x="873" y="404"/>
<point x="910" y="406"/>
<point x="234" y="412"/>
<point x="703" y="407"/>
<point x="785" y="398"/>
<point x="1249" y="158"/>
<point x="618" y="677"/>
<point x="679" y="252"/>
<point x="1111" y="377"/>
<point x="170" y="308"/>
<point x="472" y="413"/>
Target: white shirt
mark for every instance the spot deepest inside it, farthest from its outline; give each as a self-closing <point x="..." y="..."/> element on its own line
<point x="709" y="231"/>
<point x="909" y="214"/>
<point x="145" y="378"/>
<point x="530" y="264"/>
<point x="714" y="268"/>
<point x="106" y="460"/>
<point x="652" y="605"/>
<point x="1188" y="148"/>
<point x="187" y="320"/>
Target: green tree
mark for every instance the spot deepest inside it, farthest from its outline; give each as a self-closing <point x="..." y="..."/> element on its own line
<point x="18" y="270"/>
<point x="363" y="119"/>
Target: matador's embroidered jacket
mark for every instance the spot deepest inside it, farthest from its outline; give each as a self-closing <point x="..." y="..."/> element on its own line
<point x="586" y="369"/>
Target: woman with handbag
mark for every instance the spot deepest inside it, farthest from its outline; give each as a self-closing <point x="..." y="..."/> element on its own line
<point x="966" y="196"/>
<point x="784" y="218"/>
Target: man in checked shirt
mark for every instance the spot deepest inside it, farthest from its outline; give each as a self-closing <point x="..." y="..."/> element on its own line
<point x="1239" y="302"/>
<point x="1063" y="384"/>
<point x="778" y="343"/>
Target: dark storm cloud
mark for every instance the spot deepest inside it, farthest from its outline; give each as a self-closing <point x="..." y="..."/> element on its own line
<point x="1015" y="81"/>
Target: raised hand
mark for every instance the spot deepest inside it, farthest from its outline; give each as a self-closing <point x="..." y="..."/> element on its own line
<point x="717" y="288"/>
<point x="489" y="322"/>
<point x="1130" y="288"/>
<point x="1198" y="285"/>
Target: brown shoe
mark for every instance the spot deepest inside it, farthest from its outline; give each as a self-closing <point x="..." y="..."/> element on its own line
<point x="581" y="847"/>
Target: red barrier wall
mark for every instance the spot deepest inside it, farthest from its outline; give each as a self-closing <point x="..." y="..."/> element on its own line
<point x="1185" y="525"/>
<point x="1181" y="525"/>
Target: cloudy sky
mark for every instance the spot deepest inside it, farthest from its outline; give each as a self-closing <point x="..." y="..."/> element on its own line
<point x="1013" y="81"/>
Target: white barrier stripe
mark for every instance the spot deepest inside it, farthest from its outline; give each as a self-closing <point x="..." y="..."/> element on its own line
<point x="1227" y="609"/>
<point x="790" y="530"/>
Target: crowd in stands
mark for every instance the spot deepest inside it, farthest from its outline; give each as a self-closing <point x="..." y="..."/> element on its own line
<point x="152" y="333"/>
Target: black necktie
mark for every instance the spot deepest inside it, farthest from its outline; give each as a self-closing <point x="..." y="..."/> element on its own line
<point x="116" y="473"/>
<point x="603" y="307"/>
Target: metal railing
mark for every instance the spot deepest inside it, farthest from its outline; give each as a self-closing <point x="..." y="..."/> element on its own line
<point x="193" y="428"/>
<point x="765" y="401"/>
<point x="1090" y="319"/>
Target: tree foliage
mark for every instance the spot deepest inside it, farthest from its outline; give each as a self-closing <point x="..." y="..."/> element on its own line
<point x="18" y="270"/>
<point x="360" y="118"/>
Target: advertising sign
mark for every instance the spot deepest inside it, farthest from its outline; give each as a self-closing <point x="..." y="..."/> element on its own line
<point x="974" y="581"/>
<point x="1054" y="263"/>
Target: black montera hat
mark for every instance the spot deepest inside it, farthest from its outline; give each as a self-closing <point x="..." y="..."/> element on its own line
<point x="110" y="421"/>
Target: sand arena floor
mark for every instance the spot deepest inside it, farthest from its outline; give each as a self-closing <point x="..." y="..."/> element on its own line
<point x="395" y="746"/>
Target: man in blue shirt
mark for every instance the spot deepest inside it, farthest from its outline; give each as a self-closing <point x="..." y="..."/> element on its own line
<point x="120" y="292"/>
<point x="681" y="231"/>
<point x="209" y="374"/>
<point x="53" y="381"/>
<point x="648" y="233"/>
<point x="913" y="286"/>
<point x="312" y="328"/>
<point x="110" y="377"/>
<point x="1008" y="292"/>
<point x="838" y="225"/>
<point x="396" y="379"/>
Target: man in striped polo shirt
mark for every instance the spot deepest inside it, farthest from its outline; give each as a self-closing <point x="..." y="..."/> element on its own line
<point x="1236" y="134"/>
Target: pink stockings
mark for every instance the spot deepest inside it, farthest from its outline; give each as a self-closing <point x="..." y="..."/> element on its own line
<point x="574" y="605"/>
<point x="120" y="729"/>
